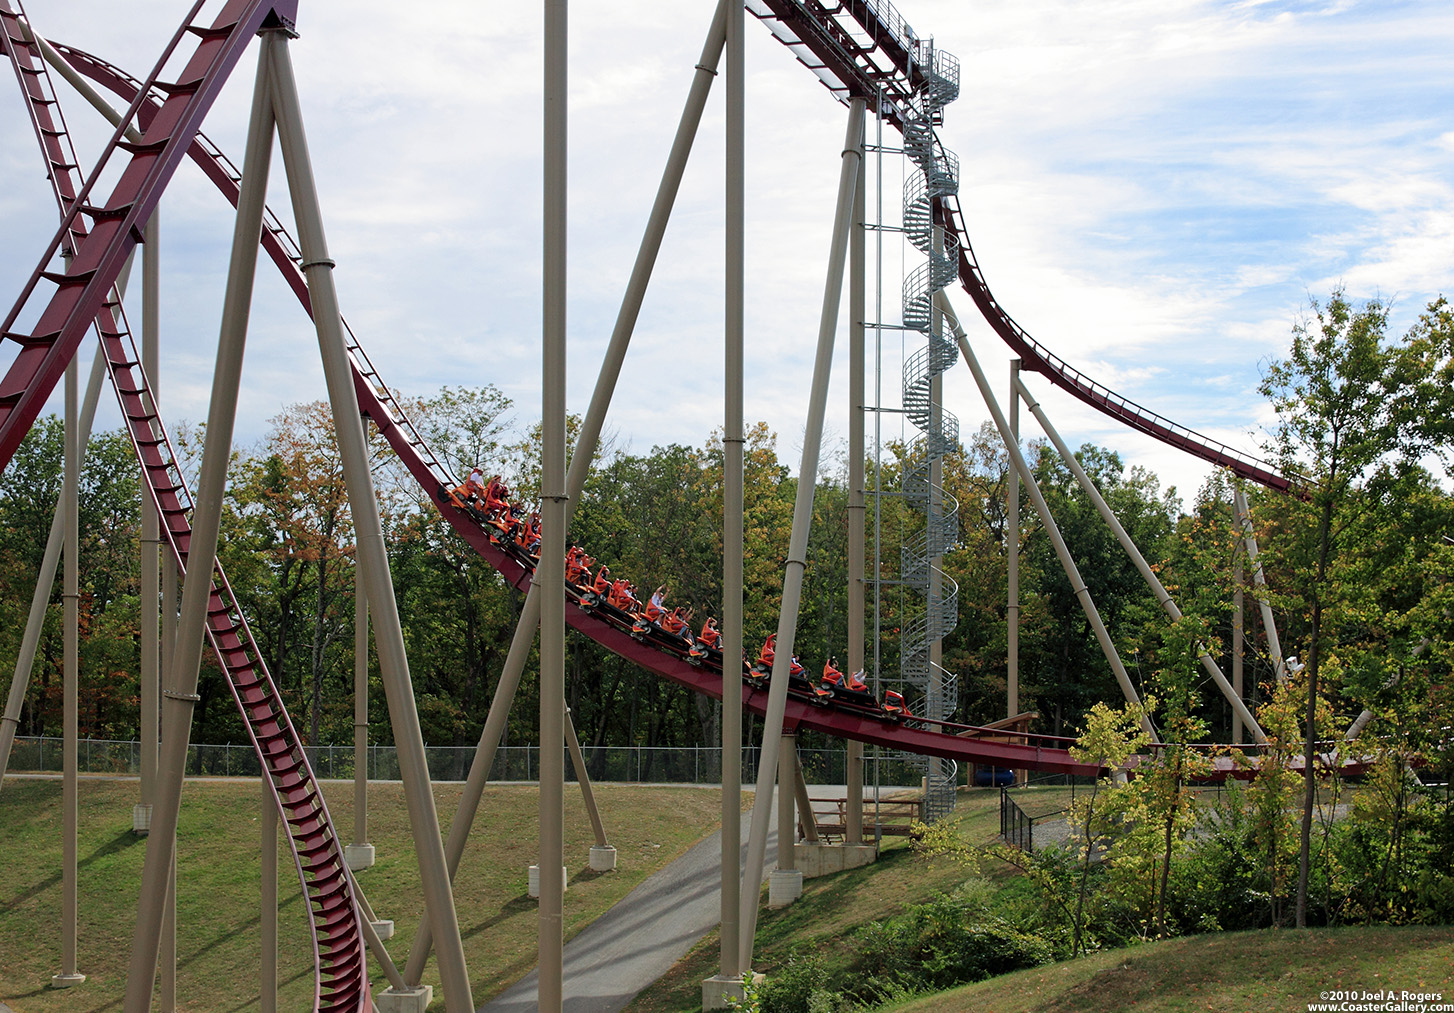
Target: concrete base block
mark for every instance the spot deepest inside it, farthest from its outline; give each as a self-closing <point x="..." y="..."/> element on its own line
<point x="534" y="886"/>
<point x="66" y="980"/>
<point x="384" y="928"/>
<point x="603" y="858"/>
<point x="783" y="887"/>
<point x="141" y="820"/>
<point x="717" y="990"/>
<point x="411" y="1000"/>
<point x="815" y="860"/>
<point x="358" y="856"/>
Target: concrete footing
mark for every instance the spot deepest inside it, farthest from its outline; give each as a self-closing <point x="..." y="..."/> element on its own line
<point x="534" y="886"/>
<point x="815" y="860"/>
<point x="141" y="820"/>
<point x="66" y="980"/>
<point x="358" y="856"/>
<point x="410" y="1000"/>
<point x="717" y="990"/>
<point x="603" y="858"/>
<point x="383" y="928"/>
<point x="783" y="887"/>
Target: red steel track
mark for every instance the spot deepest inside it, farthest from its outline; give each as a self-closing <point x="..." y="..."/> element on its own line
<point x="340" y="976"/>
<point x="865" y="48"/>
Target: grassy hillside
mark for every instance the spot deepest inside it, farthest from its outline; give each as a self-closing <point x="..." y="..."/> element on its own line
<point x="1269" y="971"/>
<point x="217" y="896"/>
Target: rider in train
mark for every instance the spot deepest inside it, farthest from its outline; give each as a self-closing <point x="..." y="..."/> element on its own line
<point x="471" y="487"/>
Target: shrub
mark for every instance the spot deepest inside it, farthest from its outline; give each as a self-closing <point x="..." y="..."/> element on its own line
<point x="941" y="944"/>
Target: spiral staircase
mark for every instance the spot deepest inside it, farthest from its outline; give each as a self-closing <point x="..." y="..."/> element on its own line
<point x="932" y="597"/>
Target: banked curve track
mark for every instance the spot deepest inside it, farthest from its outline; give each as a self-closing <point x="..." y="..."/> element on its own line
<point x="866" y="49"/>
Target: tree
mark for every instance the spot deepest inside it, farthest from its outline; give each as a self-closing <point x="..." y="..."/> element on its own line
<point x="1355" y="410"/>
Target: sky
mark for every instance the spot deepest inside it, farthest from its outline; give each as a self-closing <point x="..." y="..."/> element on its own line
<point x="1154" y="189"/>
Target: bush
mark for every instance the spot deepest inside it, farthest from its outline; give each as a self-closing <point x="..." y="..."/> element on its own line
<point x="801" y="986"/>
<point x="941" y="944"/>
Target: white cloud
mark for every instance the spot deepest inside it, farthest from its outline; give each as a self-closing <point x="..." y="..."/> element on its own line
<point x="1153" y="188"/>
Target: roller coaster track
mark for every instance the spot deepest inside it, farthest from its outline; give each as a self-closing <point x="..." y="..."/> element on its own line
<point x="951" y="741"/>
<point x="340" y="976"/>
<point x="856" y="47"/>
<point x="865" y="48"/>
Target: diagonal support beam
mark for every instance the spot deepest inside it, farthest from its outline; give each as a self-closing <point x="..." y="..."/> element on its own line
<point x="1163" y="597"/>
<point x="373" y="556"/>
<point x="1062" y="551"/>
<point x="180" y="694"/>
<point x="585" y="450"/>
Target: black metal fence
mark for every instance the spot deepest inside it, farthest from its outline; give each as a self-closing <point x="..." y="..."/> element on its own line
<point x="1027" y="805"/>
<point x="653" y="764"/>
<point x="1016" y="828"/>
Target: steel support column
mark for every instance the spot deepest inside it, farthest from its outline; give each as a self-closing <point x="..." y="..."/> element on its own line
<point x="70" y="689"/>
<point x="360" y="714"/>
<point x="1259" y="581"/>
<point x="796" y="562"/>
<point x="151" y="589"/>
<point x="857" y="285"/>
<point x="550" y="571"/>
<point x="787" y="791"/>
<point x="268" y="911"/>
<point x="1239" y="619"/>
<point x="585" y="449"/>
<point x="730" y="964"/>
<point x="1012" y="556"/>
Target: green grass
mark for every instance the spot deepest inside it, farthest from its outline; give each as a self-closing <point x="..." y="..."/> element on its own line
<point x="217" y="897"/>
<point x="1268" y="971"/>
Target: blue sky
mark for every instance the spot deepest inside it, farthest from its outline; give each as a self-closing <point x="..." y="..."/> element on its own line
<point x="1153" y="189"/>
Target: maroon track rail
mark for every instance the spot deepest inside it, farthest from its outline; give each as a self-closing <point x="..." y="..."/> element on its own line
<point x="864" y="48"/>
<point x="340" y="977"/>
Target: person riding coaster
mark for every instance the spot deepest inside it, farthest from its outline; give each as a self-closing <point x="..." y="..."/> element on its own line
<point x="759" y="672"/>
<point x="578" y="568"/>
<point x="501" y="525"/>
<point x="469" y="489"/>
<point x="497" y="497"/>
<point x="651" y="615"/>
<point x="847" y="688"/>
<point x="622" y="596"/>
<point x="798" y="682"/>
<point x="708" y="645"/>
<point x="596" y="592"/>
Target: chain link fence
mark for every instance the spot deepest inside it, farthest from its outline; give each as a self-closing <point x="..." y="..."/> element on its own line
<point x="652" y="764"/>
